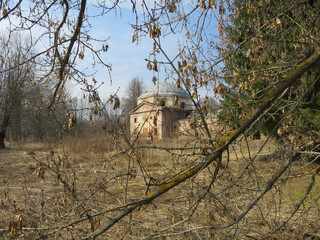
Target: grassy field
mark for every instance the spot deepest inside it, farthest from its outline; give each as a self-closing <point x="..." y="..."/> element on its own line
<point x="69" y="190"/>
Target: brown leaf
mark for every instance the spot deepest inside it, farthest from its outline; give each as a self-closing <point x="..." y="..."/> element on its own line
<point x="172" y="8"/>
<point x="39" y="172"/>
<point x="81" y="55"/>
<point x="4" y="12"/>
<point x="194" y="95"/>
<point x="105" y="47"/>
<point x="154" y="80"/>
<point x="134" y="37"/>
<point x="95" y="111"/>
<point x="155" y="66"/>
<point x="187" y="34"/>
<point x="149" y="66"/>
<point x="15" y="226"/>
<point x="203" y="4"/>
<point x="72" y="120"/>
<point x="116" y="103"/>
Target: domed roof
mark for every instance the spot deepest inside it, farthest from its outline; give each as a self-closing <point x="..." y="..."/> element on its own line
<point x="164" y="89"/>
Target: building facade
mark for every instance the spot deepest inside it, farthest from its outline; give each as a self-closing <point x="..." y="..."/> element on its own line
<point x="158" y="110"/>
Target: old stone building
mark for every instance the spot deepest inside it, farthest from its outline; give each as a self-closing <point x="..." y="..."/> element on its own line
<point x="158" y="109"/>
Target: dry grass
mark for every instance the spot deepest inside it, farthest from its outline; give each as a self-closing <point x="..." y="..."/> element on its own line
<point x="88" y="164"/>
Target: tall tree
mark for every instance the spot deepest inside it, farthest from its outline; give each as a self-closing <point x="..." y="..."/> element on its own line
<point x="272" y="37"/>
<point x="133" y="90"/>
<point x="14" y="79"/>
<point x="64" y="37"/>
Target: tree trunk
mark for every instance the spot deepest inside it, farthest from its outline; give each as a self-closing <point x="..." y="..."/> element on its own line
<point x="2" y="137"/>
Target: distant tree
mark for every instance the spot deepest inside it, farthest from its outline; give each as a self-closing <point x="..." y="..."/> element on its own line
<point x="209" y="105"/>
<point x="133" y="90"/>
<point x="15" y="76"/>
<point x="39" y="122"/>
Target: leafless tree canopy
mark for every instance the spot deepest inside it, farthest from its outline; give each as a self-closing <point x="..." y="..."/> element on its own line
<point x="134" y="89"/>
<point x="15" y="79"/>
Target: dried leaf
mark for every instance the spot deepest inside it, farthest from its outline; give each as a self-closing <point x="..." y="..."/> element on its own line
<point x="81" y="55"/>
<point x="187" y="34"/>
<point x="154" y="80"/>
<point x="213" y="4"/>
<point x="155" y="66"/>
<point x="194" y="95"/>
<point x="116" y="103"/>
<point x="15" y="226"/>
<point x="95" y="111"/>
<point x="39" y="172"/>
<point x="149" y="66"/>
<point x="172" y="8"/>
<point x="72" y="120"/>
<point x="203" y="4"/>
<point x="4" y="12"/>
<point x="105" y="47"/>
<point x="134" y="37"/>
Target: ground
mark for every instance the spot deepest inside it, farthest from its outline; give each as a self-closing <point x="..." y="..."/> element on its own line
<point x="47" y="190"/>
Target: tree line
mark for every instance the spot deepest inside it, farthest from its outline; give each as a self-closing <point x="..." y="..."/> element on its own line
<point x="25" y="112"/>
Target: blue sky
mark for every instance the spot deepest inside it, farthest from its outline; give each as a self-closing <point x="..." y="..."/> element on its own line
<point x="127" y="58"/>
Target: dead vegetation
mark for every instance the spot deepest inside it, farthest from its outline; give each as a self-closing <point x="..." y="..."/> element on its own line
<point x="69" y="191"/>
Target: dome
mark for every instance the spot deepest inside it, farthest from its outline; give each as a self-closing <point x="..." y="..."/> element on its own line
<point x="164" y="89"/>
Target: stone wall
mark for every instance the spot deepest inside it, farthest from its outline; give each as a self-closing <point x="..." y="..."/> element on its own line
<point x="142" y="123"/>
<point x="193" y="127"/>
<point x="153" y="123"/>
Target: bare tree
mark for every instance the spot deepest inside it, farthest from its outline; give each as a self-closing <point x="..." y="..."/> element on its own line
<point x="65" y="37"/>
<point x="15" y="78"/>
<point x="38" y="122"/>
<point x="133" y="90"/>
